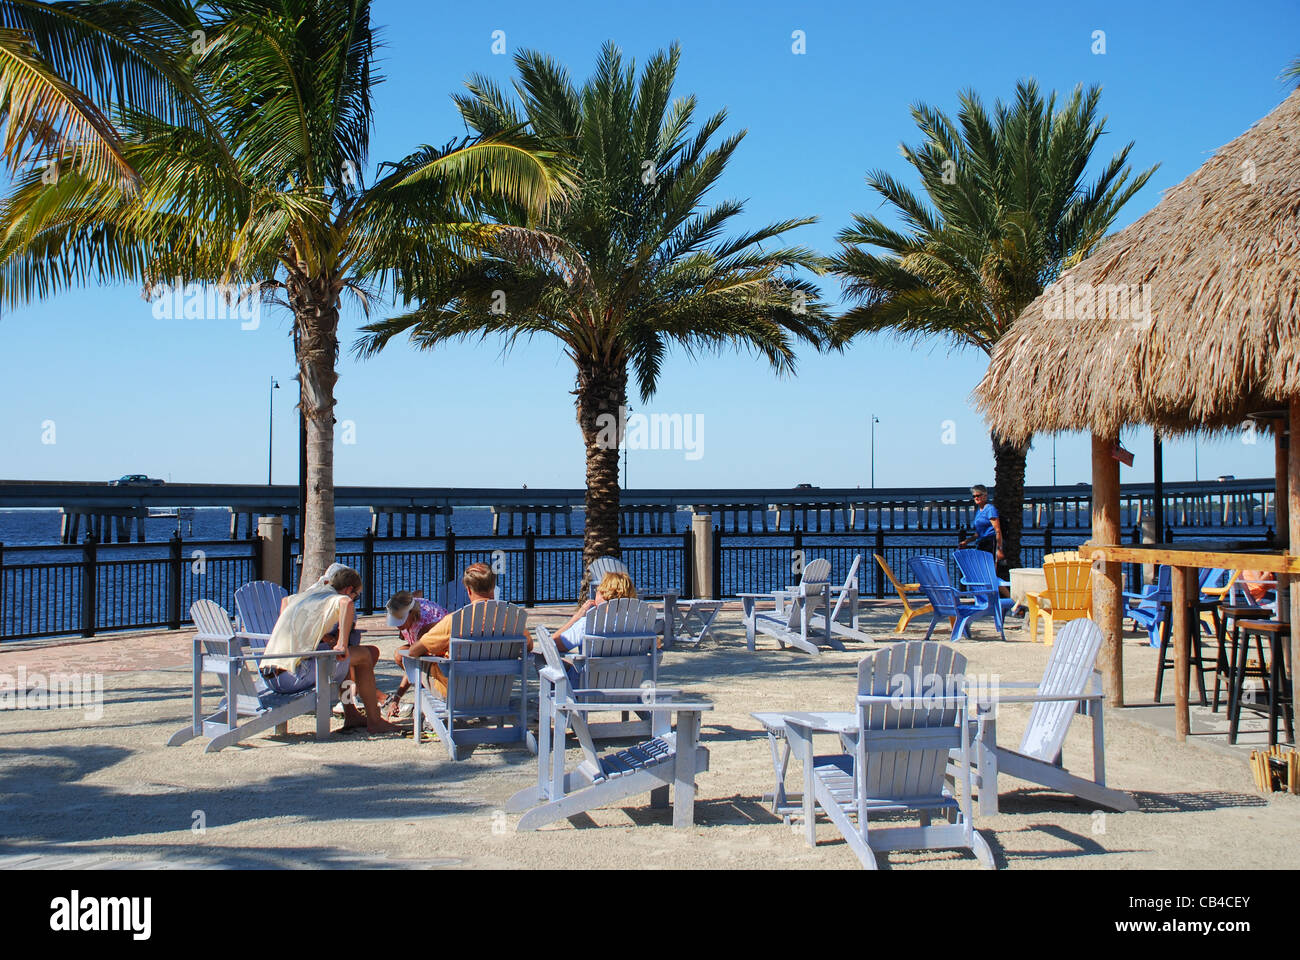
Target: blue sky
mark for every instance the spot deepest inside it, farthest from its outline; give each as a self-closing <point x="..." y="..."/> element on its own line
<point x="187" y="400"/>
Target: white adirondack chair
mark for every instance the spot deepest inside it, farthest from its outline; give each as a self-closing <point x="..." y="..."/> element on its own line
<point x="257" y="605"/>
<point x="486" y="670"/>
<point x="601" y="566"/>
<point x="668" y="758"/>
<point x="789" y="621"/>
<point x="619" y="650"/>
<point x="1070" y="685"/>
<point x="848" y="594"/>
<point x="911" y="713"/>
<point x="249" y="705"/>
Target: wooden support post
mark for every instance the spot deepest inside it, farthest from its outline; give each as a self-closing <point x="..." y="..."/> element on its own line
<point x="1281" y="510"/>
<point x="1293" y="521"/>
<point x="1106" y="609"/>
<point x="702" y="561"/>
<point x="1183" y="582"/>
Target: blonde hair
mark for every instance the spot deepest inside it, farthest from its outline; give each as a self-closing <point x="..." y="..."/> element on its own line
<point x="617" y="586"/>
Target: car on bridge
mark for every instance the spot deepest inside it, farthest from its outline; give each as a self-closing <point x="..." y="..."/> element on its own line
<point x="136" y="480"/>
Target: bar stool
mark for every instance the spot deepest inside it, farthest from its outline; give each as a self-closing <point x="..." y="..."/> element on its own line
<point x="1226" y="665"/>
<point x="1198" y="658"/>
<point x="1276" y="679"/>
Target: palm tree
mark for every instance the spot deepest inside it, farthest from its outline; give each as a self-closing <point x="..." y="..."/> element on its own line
<point x="66" y="67"/>
<point x="272" y="193"/>
<point x="1008" y="208"/>
<point x="636" y="262"/>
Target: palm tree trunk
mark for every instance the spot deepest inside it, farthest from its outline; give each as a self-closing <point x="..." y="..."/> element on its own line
<point x="315" y="307"/>
<point x="601" y="392"/>
<point x="1009" y="497"/>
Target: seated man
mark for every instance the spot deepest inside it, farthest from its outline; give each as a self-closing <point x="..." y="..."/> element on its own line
<point x="413" y="616"/>
<point x="480" y="582"/>
<point x="320" y="618"/>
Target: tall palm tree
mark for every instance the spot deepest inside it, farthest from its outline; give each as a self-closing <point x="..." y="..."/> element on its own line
<point x="636" y="262"/>
<point x="1006" y="208"/>
<point x="65" y="67"/>
<point x="273" y="193"/>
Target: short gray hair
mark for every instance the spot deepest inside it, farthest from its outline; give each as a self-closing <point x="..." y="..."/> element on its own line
<point x="980" y="488"/>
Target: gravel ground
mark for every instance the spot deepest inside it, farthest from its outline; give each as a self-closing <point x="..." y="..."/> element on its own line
<point x="82" y="792"/>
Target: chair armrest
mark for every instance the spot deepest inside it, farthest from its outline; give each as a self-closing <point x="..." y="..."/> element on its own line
<point x="247" y="635"/>
<point x="685" y="706"/>
<point x="429" y="659"/>
<point x="664" y="692"/>
<point x="310" y="654"/>
<point x="755" y="596"/>
<point x="1063" y="698"/>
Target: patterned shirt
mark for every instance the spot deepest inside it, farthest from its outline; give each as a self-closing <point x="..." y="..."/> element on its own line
<point x="428" y="613"/>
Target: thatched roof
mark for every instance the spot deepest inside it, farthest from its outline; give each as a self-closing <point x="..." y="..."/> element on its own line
<point x="1215" y="266"/>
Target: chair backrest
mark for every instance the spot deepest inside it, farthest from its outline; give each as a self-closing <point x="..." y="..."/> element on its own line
<point x="216" y="633"/>
<point x="1164" y="591"/>
<point x="815" y="573"/>
<point x="916" y="668"/>
<point x="979" y="570"/>
<point x="258" y="605"/>
<point x="850" y="582"/>
<point x="488" y="644"/>
<point x="1069" y="584"/>
<point x="601" y="566"/>
<point x="1068" y="673"/>
<point x="932" y="576"/>
<point x="889" y="573"/>
<point x="1060" y="556"/>
<point x="620" y="645"/>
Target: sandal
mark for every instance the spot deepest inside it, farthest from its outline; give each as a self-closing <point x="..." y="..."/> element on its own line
<point x="391" y="707"/>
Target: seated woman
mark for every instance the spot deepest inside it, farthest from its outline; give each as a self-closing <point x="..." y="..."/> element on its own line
<point x="413" y="616"/>
<point x="320" y="618"/>
<point x="613" y="586"/>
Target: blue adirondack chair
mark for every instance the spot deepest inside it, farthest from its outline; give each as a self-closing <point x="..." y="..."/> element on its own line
<point x="1154" y="601"/>
<point x="947" y="600"/>
<point x="979" y="573"/>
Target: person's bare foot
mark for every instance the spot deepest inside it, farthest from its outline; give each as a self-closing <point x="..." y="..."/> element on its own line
<point x="382" y="726"/>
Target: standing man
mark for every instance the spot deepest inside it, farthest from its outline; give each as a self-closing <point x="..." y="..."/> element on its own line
<point x="988" y="528"/>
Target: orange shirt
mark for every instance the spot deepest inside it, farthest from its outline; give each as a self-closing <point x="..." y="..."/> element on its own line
<point x="438" y="642"/>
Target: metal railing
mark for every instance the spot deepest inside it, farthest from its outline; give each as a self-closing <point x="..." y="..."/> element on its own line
<point x="52" y="591"/>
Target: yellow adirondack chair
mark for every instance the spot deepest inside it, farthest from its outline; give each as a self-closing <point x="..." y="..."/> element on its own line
<point x="907" y="592"/>
<point x="1069" y="594"/>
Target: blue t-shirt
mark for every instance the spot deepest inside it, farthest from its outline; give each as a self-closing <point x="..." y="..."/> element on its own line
<point x="984" y="521"/>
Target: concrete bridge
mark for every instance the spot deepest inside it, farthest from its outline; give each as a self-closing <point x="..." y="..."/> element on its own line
<point x="1207" y="503"/>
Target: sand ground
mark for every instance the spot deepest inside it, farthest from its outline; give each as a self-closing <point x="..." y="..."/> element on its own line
<point x="108" y="792"/>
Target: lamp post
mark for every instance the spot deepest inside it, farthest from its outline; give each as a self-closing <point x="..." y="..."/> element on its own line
<point x="874" y="420"/>
<point x="270" y="428"/>
<point x="626" y="410"/>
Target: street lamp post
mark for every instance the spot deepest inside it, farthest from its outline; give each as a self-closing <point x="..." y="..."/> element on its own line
<point x="874" y="420"/>
<point x="270" y="428"/>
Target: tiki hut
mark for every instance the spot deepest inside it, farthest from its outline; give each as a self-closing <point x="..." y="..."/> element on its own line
<point x="1188" y="319"/>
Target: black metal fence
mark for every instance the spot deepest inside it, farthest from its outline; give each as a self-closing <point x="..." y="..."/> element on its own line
<point x="96" y="587"/>
<point x="50" y="591"/>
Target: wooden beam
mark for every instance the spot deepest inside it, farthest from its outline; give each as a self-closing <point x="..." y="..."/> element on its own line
<point x="1193" y="555"/>
<point x="1184" y="582"/>
<point x="1106" y="609"/>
